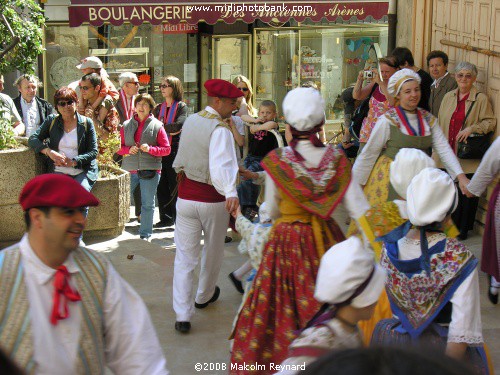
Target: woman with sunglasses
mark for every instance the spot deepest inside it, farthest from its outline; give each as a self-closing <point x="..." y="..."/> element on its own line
<point x="465" y="111"/>
<point x="172" y="113"/>
<point x="72" y="142"/>
<point x="243" y="83"/>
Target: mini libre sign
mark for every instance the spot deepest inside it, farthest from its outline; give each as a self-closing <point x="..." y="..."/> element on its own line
<point x="173" y="12"/>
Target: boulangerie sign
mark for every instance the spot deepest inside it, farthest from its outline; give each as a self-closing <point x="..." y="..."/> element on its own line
<point x="158" y="12"/>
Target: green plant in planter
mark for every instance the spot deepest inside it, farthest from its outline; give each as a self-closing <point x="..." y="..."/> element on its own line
<point x="21" y="23"/>
<point x="7" y="136"/>
<point x="107" y="148"/>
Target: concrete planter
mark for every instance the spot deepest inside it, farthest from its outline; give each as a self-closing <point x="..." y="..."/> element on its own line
<point x="18" y="166"/>
<point x="109" y="218"/>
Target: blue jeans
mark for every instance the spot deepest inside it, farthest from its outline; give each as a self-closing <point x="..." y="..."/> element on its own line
<point x="148" y="195"/>
<point x="248" y="192"/>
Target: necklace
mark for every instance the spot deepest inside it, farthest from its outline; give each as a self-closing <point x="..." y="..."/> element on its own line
<point x="348" y="324"/>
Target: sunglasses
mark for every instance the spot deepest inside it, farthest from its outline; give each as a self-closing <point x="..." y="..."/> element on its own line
<point x="63" y="103"/>
<point x="163" y="86"/>
<point x="243" y="88"/>
<point x="461" y="75"/>
<point x="134" y="83"/>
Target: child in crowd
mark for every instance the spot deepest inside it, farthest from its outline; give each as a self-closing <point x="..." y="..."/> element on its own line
<point x="261" y="140"/>
<point x="349" y="283"/>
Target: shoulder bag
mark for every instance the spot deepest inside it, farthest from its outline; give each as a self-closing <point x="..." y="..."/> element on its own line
<point x="476" y="145"/>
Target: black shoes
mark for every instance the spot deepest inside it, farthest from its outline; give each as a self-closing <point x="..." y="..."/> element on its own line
<point x="211" y="300"/>
<point x="462" y="236"/>
<point x="228" y="239"/>
<point x="164" y="223"/>
<point x="182" y="327"/>
<point x="492" y="297"/>
<point x="237" y="283"/>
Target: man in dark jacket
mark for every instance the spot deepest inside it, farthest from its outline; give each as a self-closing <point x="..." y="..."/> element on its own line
<point x="437" y="61"/>
<point x="404" y="59"/>
<point x="33" y="110"/>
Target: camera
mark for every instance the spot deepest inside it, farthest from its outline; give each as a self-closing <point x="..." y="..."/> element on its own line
<point x="367" y="74"/>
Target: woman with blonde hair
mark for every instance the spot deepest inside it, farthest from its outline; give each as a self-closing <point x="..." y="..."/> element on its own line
<point x="243" y="83"/>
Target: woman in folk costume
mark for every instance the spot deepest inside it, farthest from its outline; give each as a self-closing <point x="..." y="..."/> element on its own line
<point x="488" y="171"/>
<point x="349" y="284"/>
<point x="404" y="126"/>
<point x="384" y="217"/>
<point x="305" y="182"/>
<point x="432" y="280"/>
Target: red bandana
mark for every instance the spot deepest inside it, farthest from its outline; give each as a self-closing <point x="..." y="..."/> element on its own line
<point x="62" y="288"/>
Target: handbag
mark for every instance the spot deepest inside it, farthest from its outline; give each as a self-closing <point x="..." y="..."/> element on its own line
<point x="146" y="174"/>
<point x="476" y="145"/>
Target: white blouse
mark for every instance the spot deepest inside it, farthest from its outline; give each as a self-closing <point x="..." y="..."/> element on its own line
<point x="68" y="145"/>
<point x="381" y="134"/>
<point x="465" y="326"/>
<point x="487" y="170"/>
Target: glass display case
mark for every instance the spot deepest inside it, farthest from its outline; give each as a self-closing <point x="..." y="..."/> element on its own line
<point x="323" y="57"/>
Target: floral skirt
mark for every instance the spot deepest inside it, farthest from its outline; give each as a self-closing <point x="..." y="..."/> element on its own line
<point x="377" y="186"/>
<point x="281" y="301"/>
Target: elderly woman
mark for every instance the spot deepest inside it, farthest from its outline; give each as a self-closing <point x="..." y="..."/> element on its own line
<point x="380" y="99"/>
<point x="428" y="272"/>
<point x="404" y="126"/>
<point x="72" y="141"/>
<point x="305" y="182"/>
<point x="172" y="113"/>
<point x="144" y="142"/>
<point x="465" y="111"/>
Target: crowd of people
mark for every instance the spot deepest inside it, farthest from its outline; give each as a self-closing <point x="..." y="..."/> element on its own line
<point x="397" y="276"/>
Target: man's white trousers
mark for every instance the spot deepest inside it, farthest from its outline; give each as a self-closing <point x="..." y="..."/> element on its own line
<point x="192" y="219"/>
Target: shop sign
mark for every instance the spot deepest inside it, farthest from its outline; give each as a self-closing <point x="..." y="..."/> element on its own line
<point x="180" y="28"/>
<point x="158" y="12"/>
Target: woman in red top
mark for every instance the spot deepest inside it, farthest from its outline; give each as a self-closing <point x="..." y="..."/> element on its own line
<point x="465" y="111"/>
<point x="144" y="143"/>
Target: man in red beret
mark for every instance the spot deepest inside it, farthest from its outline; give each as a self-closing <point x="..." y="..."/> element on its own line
<point x="64" y="308"/>
<point x="207" y="165"/>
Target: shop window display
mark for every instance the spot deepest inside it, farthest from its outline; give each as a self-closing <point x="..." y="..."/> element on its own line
<point x="329" y="57"/>
<point x="149" y="51"/>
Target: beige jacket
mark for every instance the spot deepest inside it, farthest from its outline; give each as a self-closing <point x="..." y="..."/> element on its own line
<point x="481" y="119"/>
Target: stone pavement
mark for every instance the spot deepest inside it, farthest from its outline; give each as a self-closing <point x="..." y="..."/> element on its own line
<point x="150" y="272"/>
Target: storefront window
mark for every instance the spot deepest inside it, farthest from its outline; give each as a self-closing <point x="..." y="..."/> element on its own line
<point x="330" y="58"/>
<point x="151" y="52"/>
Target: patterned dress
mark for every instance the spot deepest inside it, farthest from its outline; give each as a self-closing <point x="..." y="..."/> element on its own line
<point x="282" y="297"/>
<point x="423" y="303"/>
<point x="378" y="106"/>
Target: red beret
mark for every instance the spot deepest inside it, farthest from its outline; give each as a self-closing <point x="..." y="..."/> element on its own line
<point x="222" y="89"/>
<point x="55" y="190"/>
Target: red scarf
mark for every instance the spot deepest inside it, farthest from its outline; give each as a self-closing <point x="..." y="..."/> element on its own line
<point x="64" y="290"/>
<point x="128" y="108"/>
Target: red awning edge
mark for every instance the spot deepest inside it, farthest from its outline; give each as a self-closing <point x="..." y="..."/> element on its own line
<point x="210" y="13"/>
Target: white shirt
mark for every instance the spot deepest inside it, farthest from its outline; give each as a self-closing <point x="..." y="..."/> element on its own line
<point x="31" y="117"/>
<point x="354" y="199"/>
<point x="465" y="326"/>
<point x="381" y="134"/>
<point x="68" y="145"/>
<point x="222" y="160"/>
<point x="487" y="170"/>
<point x="131" y="345"/>
<point x="438" y="81"/>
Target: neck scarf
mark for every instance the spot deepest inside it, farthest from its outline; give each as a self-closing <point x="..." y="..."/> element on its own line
<point x="402" y="116"/>
<point x="62" y="290"/>
<point x="129" y="108"/>
<point x="313" y="138"/>
<point x="168" y="117"/>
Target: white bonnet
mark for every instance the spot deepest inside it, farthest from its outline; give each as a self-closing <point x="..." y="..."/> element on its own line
<point x="343" y="269"/>
<point x="431" y="196"/>
<point x="401" y="76"/>
<point x="304" y="108"/>
<point x="406" y="165"/>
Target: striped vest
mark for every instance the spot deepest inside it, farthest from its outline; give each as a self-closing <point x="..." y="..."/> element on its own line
<point x="15" y="324"/>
